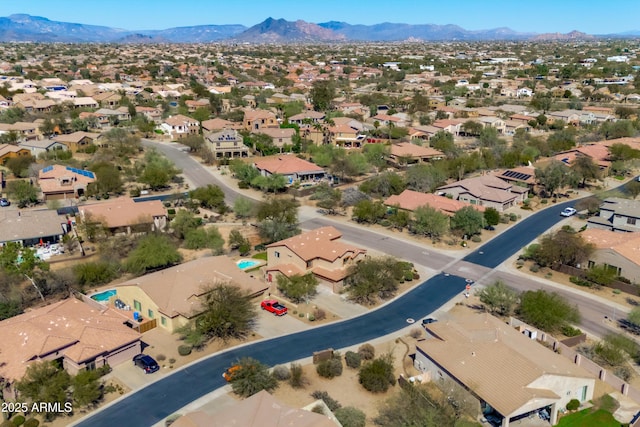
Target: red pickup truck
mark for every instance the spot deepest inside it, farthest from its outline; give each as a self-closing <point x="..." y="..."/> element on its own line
<point x="274" y="307"/>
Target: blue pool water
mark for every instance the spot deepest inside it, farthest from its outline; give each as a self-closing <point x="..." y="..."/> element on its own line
<point x="104" y="296"/>
<point x="244" y="264"/>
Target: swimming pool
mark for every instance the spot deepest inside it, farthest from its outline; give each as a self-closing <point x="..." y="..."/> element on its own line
<point x="104" y="296"/>
<point x="245" y="264"/>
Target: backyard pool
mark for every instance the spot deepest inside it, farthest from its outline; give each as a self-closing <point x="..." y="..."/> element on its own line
<point x="104" y="296"/>
<point x="245" y="264"/>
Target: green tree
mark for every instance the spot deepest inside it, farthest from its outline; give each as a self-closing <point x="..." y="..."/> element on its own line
<point x="157" y="170"/>
<point x="210" y="197"/>
<point x="372" y="279"/>
<point x="384" y="185"/>
<point x="499" y="298"/>
<point x="252" y="377"/>
<point x="277" y="219"/>
<point x="95" y="273"/>
<point x="243" y="171"/>
<point x="430" y="222"/>
<point x="467" y="221"/>
<point x="201" y="238"/>
<point x="22" y="262"/>
<point x="547" y="311"/>
<point x="369" y="211"/>
<point x="425" y="178"/>
<point x="183" y="222"/>
<point x="152" y="252"/>
<point x="634" y="316"/>
<point x="9" y="309"/>
<point x="239" y="242"/>
<point x="555" y="176"/>
<point x="585" y="168"/>
<point x="298" y="287"/>
<point x="542" y="101"/>
<point x="377" y="375"/>
<point x="565" y="246"/>
<point x="491" y="216"/>
<point x="327" y="197"/>
<point x="201" y="114"/>
<point x="376" y="155"/>
<point x="108" y="180"/>
<point x="443" y="141"/>
<point x="351" y="417"/>
<point x="87" y="388"/>
<point x="322" y="93"/>
<point x="243" y="207"/>
<point x="19" y="166"/>
<point x="633" y="188"/>
<point x="615" y="350"/>
<point x="228" y="313"/>
<point x="413" y="406"/>
<point x="45" y="382"/>
<point x="22" y="192"/>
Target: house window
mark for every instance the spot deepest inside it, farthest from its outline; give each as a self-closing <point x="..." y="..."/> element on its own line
<point x="631" y="221"/>
<point x="150" y="312"/>
<point x="136" y="305"/>
<point x="90" y="366"/>
<point x="276" y="254"/>
<point x="163" y="321"/>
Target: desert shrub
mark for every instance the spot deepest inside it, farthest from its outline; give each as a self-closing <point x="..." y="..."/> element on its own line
<point x="330" y="368"/>
<point x="351" y="417"/>
<point x="476" y="239"/>
<point x="31" y="422"/>
<point x="319" y="314"/>
<point x="297" y="379"/>
<point x="504" y="219"/>
<point x="580" y="282"/>
<point x="534" y="268"/>
<point x="18" y="420"/>
<point x="544" y="201"/>
<point x="318" y="409"/>
<point x="331" y="403"/>
<point x="416" y="333"/>
<point x="161" y="357"/>
<point x="513" y="217"/>
<point x="281" y="373"/>
<point x="570" y="331"/>
<point x="172" y="360"/>
<point x="184" y="350"/>
<point x="622" y="372"/>
<point x="376" y="376"/>
<point x="352" y="359"/>
<point x="367" y="351"/>
<point x="171" y="419"/>
<point x="573" y="405"/>
<point x="7" y="423"/>
<point x="312" y="318"/>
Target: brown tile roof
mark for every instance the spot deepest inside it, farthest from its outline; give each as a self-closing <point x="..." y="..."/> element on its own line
<point x="286" y="165"/>
<point x="411" y="200"/>
<point x="258" y="114"/>
<point x="78" y="330"/>
<point x="180" y="120"/>
<point x="407" y="149"/>
<point x="177" y="290"/>
<point x="486" y="187"/>
<point x="123" y="211"/>
<point x="277" y="132"/>
<point x="259" y="410"/>
<point x="319" y="243"/>
<point x="10" y="148"/>
<point x="625" y="244"/>
<point x="494" y="360"/>
<point x="76" y="137"/>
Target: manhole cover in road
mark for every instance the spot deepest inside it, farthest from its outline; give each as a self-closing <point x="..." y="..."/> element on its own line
<point x="410" y="320"/>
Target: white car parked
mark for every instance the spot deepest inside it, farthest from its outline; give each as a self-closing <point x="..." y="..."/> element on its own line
<point x="568" y="212"/>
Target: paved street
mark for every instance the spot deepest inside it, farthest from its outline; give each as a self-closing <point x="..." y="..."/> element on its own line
<point x="203" y="377"/>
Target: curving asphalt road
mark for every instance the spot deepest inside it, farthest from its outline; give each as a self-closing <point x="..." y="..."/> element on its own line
<point x="155" y="402"/>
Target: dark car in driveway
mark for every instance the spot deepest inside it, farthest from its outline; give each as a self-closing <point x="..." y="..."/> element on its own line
<point x="146" y="363"/>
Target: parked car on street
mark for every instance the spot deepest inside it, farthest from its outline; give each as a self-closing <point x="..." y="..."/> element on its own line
<point x="146" y="362"/>
<point x="274" y="307"/>
<point x="4" y="203"/>
<point x="568" y="212"/>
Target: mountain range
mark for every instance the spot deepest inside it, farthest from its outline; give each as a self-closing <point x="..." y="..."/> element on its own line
<point x="23" y="27"/>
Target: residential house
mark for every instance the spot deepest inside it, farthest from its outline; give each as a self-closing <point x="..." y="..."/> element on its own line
<point x="180" y="126"/>
<point x="108" y="99"/>
<point x="25" y="131"/>
<point x="114" y="116"/>
<point x="30" y="228"/>
<point x="280" y="136"/>
<point x="487" y="191"/>
<point x="307" y="117"/>
<point x="176" y="295"/>
<point x="151" y="113"/>
<point x="10" y="151"/>
<point x="217" y="124"/>
<point x="598" y="153"/>
<point x="77" y="140"/>
<point x="37" y="147"/>
<point x="63" y="182"/>
<point x="510" y="374"/>
<point x="617" y="251"/>
<point x="259" y="410"/>
<point x="193" y="105"/>
<point x="573" y="117"/>
<point x="524" y="92"/>
<point x="410" y="200"/>
<point x="85" y="102"/>
<point x="404" y="153"/>
<point x="227" y="143"/>
<point x="291" y="167"/>
<point x="452" y="126"/>
<point x="255" y="120"/>
<point x="124" y="215"/>
<point x="318" y="251"/>
<point x="494" y="122"/>
<point x="387" y="120"/>
<point x="78" y="335"/>
<point x="346" y="132"/>
<point x="617" y="214"/>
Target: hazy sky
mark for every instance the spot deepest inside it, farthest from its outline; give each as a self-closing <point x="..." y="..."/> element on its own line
<point x="540" y="16"/>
